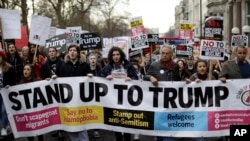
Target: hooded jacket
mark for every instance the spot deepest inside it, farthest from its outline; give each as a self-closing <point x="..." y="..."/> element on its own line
<point x="80" y="68"/>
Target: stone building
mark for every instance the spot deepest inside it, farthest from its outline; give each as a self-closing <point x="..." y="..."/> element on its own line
<point x="235" y="13"/>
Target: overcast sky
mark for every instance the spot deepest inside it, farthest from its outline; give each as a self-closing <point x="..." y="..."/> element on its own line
<point x="155" y="13"/>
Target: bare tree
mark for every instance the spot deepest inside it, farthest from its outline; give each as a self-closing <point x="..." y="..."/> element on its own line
<point x="4" y="3"/>
<point x="17" y="4"/>
<point x="25" y="10"/>
<point x="67" y="12"/>
<point x="8" y="4"/>
<point x="92" y="15"/>
<point x="113" y="20"/>
<point x="58" y="8"/>
<point x="83" y="10"/>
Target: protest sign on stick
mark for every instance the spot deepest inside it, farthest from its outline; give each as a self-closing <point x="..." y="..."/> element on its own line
<point x="11" y="23"/>
<point x="239" y="40"/>
<point x="1" y="34"/>
<point x="39" y="30"/>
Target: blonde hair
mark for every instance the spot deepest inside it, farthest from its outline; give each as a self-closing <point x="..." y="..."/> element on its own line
<point x="5" y="66"/>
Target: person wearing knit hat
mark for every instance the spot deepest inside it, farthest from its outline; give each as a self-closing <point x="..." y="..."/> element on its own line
<point x="6" y="79"/>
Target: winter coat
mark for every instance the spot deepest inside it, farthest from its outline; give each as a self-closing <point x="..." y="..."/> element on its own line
<point x="69" y="69"/>
<point x="46" y="68"/>
<point x="131" y="71"/>
<point x="17" y="64"/>
<point x="161" y="73"/>
<point x="231" y="70"/>
<point x="8" y="78"/>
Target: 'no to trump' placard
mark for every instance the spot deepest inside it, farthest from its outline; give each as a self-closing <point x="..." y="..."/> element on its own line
<point x="139" y="42"/>
<point x="239" y="40"/>
<point x="210" y="49"/>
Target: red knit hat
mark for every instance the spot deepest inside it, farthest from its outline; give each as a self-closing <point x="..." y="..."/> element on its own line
<point x="3" y="54"/>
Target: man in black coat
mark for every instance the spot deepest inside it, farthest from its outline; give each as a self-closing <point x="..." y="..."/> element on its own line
<point x="75" y="66"/>
<point x="52" y="66"/>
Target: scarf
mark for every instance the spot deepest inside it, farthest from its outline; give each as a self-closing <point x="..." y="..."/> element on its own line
<point x="202" y="77"/>
<point x="168" y="64"/>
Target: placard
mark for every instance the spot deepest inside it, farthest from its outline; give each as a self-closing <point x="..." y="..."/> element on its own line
<point x="139" y="42"/>
<point x="239" y="40"/>
<point x="210" y="49"/>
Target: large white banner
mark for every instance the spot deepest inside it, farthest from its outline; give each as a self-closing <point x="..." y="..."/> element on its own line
<point x="172" y="109"/>
<point x="39" y="29"/>
<point x="11" y="23"/>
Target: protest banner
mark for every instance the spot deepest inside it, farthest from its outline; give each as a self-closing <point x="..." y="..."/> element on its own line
<point x="186" y="26"/>
<point x="90" y="41"/>
<point x="24" y="38"/>
<point x="136" y="21"/>
<point x="136" y="26"/>
<point x="186" y="31"/>
<point x="153" y="39"/>
<point x="73" y="34"/>
<point x="210" y="49"/>
<point x="196" y="49"/>
<point x="56" y="31"/>
<point x="213" y="31"/>
<point x="172" y="109"/>
<point x="239" y="40"/>
<point x="58" y="42"/>
<point x="139" y="38"/>
<point x="137" y="30"/>
<point x="107" y="42"/>
<point x="214" y="28"/>
<point x="11" y="23"/>
<point x="183" y="51"/>
<point x="173" y="42"/>
<point x="134" y="53"/>
<point x="186" y="34"/>
<point x="52" y="32"/>
<point x="122" y="42"/>
<point x="39" y="29"/>
<point x="60" y="31"/>
<point x="139" y="42"/>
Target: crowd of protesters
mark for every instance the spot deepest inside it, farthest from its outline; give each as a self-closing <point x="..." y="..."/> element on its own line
<point x="28" y="65"/>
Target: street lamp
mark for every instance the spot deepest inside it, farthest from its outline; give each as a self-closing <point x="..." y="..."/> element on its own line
<point x="235" y="31"/>
<point x="201" y="20"/>
<point x="246" y="29"/>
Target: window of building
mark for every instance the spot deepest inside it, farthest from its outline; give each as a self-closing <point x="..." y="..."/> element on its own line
<point x="248" y="13"/>
<point x="196" y="31"/>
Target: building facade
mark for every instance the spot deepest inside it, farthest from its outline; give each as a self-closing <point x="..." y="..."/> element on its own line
<point x="195" y="12"/>
<point x="235" y="13"/>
